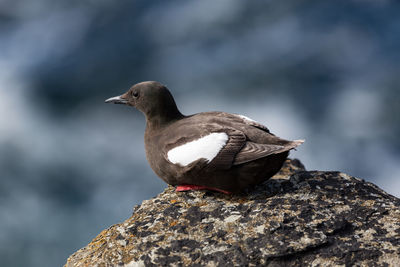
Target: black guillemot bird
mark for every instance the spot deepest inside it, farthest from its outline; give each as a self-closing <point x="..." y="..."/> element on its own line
<point x="210" y="150"/>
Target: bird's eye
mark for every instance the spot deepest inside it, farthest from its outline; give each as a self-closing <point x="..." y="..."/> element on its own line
<point x="135" y="94"/>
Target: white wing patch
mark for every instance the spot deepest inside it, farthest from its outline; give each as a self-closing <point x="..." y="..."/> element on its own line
<point x="206" y="147"/>
<point x="246" y="118"/>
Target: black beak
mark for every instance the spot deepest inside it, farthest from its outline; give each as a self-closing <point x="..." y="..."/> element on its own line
<point x="117" y="100"/>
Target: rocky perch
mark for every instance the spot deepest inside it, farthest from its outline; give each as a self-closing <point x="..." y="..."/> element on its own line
<point x="297" y="218"/>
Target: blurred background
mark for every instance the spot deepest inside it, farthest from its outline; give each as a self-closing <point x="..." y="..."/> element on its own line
<point x="70" y="165"/>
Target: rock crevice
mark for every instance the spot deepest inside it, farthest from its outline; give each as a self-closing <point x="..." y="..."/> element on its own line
<point x="297" y="218"/>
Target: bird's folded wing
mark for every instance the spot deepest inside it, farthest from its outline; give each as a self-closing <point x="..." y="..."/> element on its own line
<point x="216" y="150"/>
<point x="252" y="151"/>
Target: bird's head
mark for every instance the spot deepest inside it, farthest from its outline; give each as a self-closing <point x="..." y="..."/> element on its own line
<point x="151" y="98"/>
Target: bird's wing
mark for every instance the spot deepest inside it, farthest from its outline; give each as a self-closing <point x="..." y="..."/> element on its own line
<point x="252" y="151"/>
<point x="218" y="143"/>
<point x="215" y="150"/>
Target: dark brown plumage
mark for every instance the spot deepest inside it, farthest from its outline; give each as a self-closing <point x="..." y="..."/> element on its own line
<point x="238" y="152"/>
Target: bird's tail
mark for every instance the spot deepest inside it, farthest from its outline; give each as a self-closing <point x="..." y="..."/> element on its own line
<point x="295" y="143"/>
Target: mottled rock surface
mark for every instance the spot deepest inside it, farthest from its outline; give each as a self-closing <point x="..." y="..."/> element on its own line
<point x="297" y="218"/>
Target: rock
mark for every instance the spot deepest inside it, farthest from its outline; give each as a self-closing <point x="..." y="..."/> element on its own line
<point x="297" y="218"/>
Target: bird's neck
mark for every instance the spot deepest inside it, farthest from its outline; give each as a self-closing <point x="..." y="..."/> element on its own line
<point x="155" y="122"/>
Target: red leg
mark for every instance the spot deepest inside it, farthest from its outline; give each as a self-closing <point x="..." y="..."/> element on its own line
<point x="187" y="187"/>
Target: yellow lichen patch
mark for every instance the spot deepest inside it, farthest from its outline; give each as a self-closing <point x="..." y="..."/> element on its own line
<point x="242" y="200"/>
<point x="367" y="234"/>
<point x="201" y="204"/>
<point x="99" y="240"/>
<point x="342" y="208"/>
<point x="126" y="257"/>
<point x="173" y="201"/>
<point x="368" y="203"/>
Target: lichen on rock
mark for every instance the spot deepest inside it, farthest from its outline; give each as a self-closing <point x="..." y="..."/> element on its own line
<point x="296" y="218"/>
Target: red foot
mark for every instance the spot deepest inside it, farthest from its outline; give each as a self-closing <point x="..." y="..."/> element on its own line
<point x="187" y="187"/>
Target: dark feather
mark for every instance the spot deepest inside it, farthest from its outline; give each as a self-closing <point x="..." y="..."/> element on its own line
<point x="225" y="158"/>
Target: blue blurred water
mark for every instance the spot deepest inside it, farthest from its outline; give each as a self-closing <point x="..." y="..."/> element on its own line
<point x="71" y="166"/>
